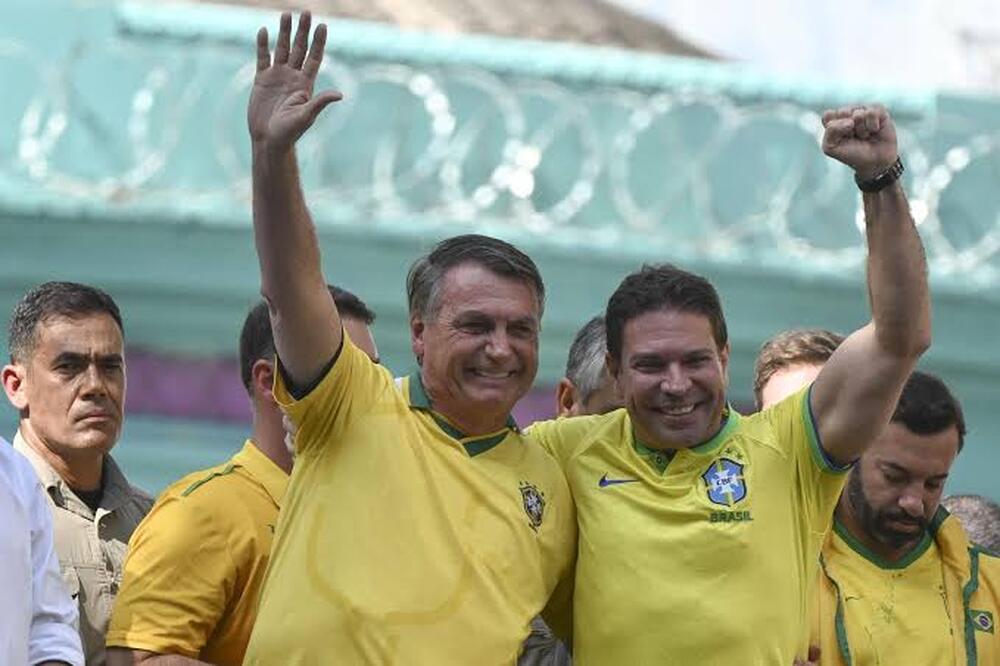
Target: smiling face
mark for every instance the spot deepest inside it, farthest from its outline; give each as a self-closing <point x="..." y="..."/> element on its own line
<point x="673" y="378"/>
<point x="478" y="351"/>
<point x="895" y="489"/>
<point x="71" y="390"/>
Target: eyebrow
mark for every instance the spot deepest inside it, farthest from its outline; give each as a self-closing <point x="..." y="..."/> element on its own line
<point x="79" y="357"/>
<point x="903" y="470"/>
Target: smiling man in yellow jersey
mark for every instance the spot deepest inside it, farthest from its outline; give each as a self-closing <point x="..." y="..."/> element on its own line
<point x="700" y="529"/>
<point x="900" y="581"/>
<point x="419" y="527"/>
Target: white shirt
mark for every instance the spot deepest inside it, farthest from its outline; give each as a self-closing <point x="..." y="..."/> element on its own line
<point x="38" y="620"/>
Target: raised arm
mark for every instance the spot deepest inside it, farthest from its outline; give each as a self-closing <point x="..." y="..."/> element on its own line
<point x="855" y="394"/>
<point x="307" y="330"/>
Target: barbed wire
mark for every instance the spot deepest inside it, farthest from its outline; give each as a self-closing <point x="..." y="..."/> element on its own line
<point x="700" y="172"/>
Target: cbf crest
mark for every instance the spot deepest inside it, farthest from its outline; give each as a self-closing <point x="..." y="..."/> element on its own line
<point x="534" y="504"/>
<point x="725" y="483"/>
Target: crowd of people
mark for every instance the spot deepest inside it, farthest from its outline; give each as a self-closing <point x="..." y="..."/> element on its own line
<point x="372" y="519"/>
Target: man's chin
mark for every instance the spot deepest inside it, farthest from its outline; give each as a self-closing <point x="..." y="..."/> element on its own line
<point x="898" y="540"/>
<point x="96" y="440"/>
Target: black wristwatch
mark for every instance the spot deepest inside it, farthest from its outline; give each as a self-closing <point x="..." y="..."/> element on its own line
<point x="882" y="179"/>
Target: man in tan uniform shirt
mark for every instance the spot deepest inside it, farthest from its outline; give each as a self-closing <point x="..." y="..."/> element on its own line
<point x="66" y="378"/>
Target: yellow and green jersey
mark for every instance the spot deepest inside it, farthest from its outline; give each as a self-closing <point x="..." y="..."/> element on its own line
<point x="400" y="540"/>
<point x="196" y="563"/>
<point x="704" y="556"/>
<point x="938" y="605"/>
<point x="893" y="612"/>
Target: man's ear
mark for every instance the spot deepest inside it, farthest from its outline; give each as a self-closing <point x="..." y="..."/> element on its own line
<point x="417" y="337"/>
<point x="262" y="379"/>
<point x="565" y="398"/>
<point x="15" y="386"/>
<point x="613" y="366"/>
<point x="724" y="362"/>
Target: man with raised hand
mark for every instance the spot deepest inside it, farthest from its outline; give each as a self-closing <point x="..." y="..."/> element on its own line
<point x="700" y="529"/>
<point x="196" y="564"/>
<point x="419" y="527"/>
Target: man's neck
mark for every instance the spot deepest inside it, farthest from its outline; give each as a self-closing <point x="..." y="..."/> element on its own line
<point x="82" y="471"/>
<point x="268" y="435"/>
<point x="471" y="424"/>
<point x="651" y="443"/>
<point x="844" y="513"/>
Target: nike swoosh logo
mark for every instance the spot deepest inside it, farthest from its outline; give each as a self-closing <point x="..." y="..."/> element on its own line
<point x="605" y="481"/>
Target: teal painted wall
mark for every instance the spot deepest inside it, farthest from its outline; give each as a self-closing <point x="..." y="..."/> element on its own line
<point x="123" y="162"/>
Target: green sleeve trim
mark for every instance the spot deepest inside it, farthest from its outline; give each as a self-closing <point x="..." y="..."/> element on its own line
<point x="819" y="454"/>
<point x="198" y="484"/>
<point x="839" y="624"/>
<point x="971" y="654"/>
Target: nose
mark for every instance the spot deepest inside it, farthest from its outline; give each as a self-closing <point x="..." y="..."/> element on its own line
<point x="675" y="380"/>
<point x="93" y="381"/>
<point x="912" y="502"/>
<point x="498" y="345"/>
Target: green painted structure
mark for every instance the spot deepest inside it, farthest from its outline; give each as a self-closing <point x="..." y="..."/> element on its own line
<point x="124" y="163"/>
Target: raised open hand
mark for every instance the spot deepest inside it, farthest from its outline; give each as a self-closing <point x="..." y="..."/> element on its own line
<point x="862" y="137"/>
<point x="282" y="105"/>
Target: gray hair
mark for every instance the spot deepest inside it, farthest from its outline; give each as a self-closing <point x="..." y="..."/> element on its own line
<point x="424" y="279"/>
<point x="587" y="355"/>
<point x="979" y="516"/>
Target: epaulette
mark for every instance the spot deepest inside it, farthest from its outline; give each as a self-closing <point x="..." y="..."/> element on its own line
<point x="200" y="482"/>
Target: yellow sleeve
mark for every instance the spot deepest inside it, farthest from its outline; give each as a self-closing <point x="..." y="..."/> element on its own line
<point x="819" y="480"/>
<point x="350" y="387"/>
<point x="178" y="577"/>
<point x="564" y="436"/>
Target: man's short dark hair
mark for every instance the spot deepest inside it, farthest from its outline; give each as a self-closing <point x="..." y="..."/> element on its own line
<point x="927" y="407"/>
<point x="812" y="346"/>
<point x="662" y="287"/>
<point x="585" y="365"/>
<point x="499" y="257"/>
<point x="979" y="516"/>
<point x="257" y="339"/>
<point x="55" y="299"/>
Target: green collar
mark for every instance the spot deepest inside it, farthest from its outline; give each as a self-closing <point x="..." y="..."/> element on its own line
<point x="864" y="551"/>
<point x="473" y="445"/>
<point x="658" y="459"/>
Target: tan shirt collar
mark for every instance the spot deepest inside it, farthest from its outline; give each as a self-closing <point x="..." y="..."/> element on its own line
<point x="116" y="487"/>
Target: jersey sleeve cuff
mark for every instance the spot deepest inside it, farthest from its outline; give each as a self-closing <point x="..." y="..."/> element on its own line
<point x="159" y="645"/>
<point x="819" y="454"/>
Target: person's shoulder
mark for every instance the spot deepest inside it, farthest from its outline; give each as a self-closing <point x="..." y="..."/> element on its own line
<point x="590" y="425"/>
<point x="200" y="502"/>
<point x="17" y="475"/>
<point x="208" y="486"/>
<point x="566" y="437"/>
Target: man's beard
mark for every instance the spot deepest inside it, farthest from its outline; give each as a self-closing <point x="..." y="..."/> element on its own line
<point x="875" y="522"/>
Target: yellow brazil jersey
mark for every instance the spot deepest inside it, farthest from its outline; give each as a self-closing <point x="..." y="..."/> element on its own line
<point x="403" y="542"/>
<point x="890" y="612"/>
<point x="700" y="558"/>
<point x="196" y="564"/>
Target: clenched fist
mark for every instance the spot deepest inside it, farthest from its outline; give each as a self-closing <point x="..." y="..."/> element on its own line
<point x="862" y="137"/>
